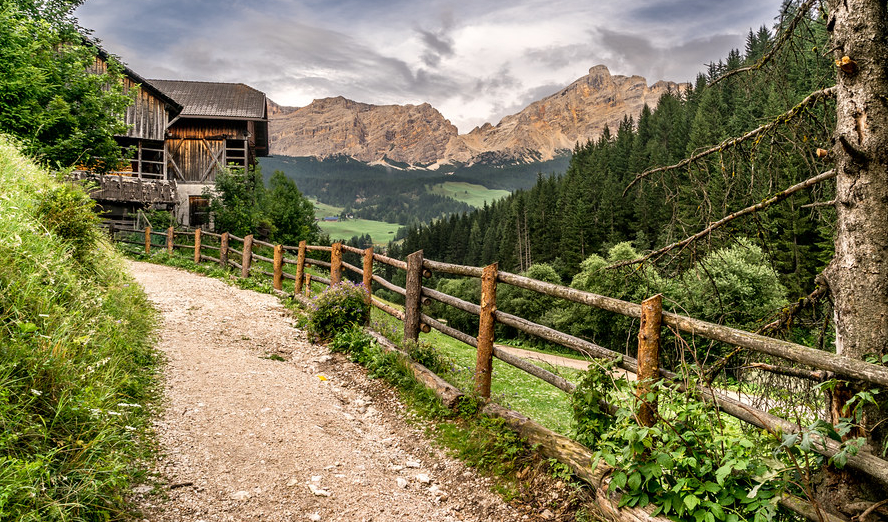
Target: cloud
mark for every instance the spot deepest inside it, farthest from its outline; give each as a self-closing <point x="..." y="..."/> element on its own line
<point x="474" y="60"/>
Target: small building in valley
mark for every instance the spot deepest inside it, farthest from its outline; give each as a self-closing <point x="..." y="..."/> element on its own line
<point x="180" y="135"/>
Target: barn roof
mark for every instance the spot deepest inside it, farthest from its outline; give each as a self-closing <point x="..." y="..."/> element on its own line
<point x="215" y="100"/>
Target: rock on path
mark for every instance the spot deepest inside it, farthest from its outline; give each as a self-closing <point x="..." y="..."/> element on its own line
<point x="247" y="438"/>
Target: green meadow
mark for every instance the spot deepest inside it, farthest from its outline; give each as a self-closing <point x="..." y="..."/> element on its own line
<point x="469" y="193"/>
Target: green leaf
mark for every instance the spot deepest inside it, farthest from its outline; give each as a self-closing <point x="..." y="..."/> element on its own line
<point x="691" y="501"/>
<point x="619" y="480"/>
<point x="634" y="481"/>
<point x="721" y="473"/>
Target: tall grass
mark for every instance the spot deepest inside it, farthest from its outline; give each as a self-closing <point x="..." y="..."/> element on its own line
<point x="76" y="362"/>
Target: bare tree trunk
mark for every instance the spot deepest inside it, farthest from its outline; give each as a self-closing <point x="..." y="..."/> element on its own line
<point x="858" y="274"/>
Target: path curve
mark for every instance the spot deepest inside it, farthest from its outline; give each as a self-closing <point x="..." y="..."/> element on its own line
<point x="248" y="438"/>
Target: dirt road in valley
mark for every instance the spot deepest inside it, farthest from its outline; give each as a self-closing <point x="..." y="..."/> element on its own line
<point x="245" y="437"/>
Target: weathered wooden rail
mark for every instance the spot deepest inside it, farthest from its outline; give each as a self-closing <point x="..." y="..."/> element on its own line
<point x="652" y="319"/>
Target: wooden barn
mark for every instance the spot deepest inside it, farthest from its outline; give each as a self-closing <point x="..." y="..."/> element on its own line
<point x="221" y="125"/>
<point x="180" y="135"/>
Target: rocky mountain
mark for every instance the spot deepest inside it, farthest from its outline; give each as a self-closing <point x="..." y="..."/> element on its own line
<point x="413" y="134"/>
<point x="419" y="135"/>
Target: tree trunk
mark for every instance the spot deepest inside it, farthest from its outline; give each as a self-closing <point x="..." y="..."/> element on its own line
<point x="858" y="274"/>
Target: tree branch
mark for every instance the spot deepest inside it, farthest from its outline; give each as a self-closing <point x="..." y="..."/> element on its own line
<point x="790" y="29"/>
<point x="748" y="210"/>
<point x="780" y="120"/>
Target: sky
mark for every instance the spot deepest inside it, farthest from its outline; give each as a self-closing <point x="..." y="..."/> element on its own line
<point x="475" y="61"/>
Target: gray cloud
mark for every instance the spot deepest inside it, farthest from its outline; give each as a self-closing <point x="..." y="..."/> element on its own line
<point x="400" y="51"/>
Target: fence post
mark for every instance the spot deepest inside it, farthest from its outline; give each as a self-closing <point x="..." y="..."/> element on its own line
<point x="147" y="239"/>
<point x="300" y="268"/>
<point x="648" y="358"/>
<point x="223" y="250"/>
<point x="336" y="264"/>
<point x="111" y="230"/>
<point x="247" y="257"/>
<point x="368" y="278"/>
<point x="278" y="266"/>
<point x="171" y="237"/>
<point x="484" y="362"/>
<point x="307" y="285"/>
<point x="412" y="303"/>
<point x="197" y="245"/>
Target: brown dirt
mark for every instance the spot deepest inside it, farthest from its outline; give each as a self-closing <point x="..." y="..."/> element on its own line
<point x="244" y="437"/>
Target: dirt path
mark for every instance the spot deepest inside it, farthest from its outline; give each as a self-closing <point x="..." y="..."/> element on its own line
<point x="247" y="438"/>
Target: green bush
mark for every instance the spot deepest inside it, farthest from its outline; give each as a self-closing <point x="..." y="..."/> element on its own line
<point x="692" y="464"/>
<point x="337" y="308"/>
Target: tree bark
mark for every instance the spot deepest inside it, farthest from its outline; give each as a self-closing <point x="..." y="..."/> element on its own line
<point x="858" y="274"/>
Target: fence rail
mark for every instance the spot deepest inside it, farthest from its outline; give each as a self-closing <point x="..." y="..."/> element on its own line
<point x="652" y="320"/>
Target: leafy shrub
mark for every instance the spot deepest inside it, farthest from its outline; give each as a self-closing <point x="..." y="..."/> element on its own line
<point x="735" y="286"/>
<point x="69" y="213"/>
<point x="337" y="308"/>
<point x="692" y="464"/>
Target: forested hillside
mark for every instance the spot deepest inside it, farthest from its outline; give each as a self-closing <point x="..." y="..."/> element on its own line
<point x="388" y="194"/>
<point x="594" y="205"/>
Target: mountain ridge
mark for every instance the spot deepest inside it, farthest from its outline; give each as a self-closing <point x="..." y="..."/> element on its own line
<point x="420" y="136"/>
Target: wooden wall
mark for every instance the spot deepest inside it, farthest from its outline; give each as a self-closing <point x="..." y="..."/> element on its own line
<point x="197" y="148"/>
<point x="147" y="116"/>
<point x="195" y="160"/>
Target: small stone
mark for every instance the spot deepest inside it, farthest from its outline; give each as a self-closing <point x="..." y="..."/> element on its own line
<point x="548" y="515"/>
<point x="413" y="464"/>
<point x="316" y="478"/>
<point x="318" y="492"/>
<point x="439" y="493"/>
<point x="292" y="482"/>
<point x="402" y="482"/>
<point x="314" y="517"/>
<point x="424" y="479"/>
<point x="240" y="495"/>
<point x="141" y="490"/>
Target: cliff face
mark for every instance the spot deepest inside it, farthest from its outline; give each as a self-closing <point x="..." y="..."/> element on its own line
<point x="419" y="135"/>
<point x="414" y="134"/>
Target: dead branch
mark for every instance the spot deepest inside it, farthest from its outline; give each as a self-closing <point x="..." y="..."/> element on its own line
<point x="817" y="204"/>
<point x="784" y="37"/>
<point x="780" y="120"/>
<point x="780" y="196"/>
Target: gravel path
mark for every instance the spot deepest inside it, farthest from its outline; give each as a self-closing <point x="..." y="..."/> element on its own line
<point x="248" y="438"/>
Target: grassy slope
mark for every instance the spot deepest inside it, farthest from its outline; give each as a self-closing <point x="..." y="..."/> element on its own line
<point x="469" y="193"/>
<point x="510" y="386"/>
<point x="76" y="370"/>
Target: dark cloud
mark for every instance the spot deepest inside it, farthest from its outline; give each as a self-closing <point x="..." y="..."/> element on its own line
<point x="634" y="54"/>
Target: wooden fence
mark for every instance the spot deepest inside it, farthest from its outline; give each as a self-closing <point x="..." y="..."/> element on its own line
<point x="650" y="313"/>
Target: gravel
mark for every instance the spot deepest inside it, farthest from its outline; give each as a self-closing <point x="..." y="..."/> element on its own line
<point x="244" y="437"/>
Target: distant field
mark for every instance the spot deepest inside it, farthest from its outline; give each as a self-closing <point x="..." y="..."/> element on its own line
<point x="323" y="210"/>
<point x="469" y="193"/>
<point x="380" y="231"/>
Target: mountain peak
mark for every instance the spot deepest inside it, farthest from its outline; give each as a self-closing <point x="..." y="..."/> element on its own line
<point x="420" y="135"/>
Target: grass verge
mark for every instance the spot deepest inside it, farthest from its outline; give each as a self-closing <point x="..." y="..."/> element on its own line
<point x="77" y="367"/>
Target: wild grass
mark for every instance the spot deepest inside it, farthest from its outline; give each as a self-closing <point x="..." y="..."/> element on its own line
<point x="77" y="369"/>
